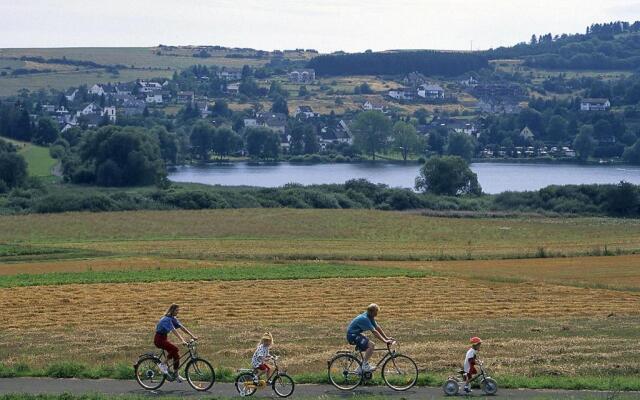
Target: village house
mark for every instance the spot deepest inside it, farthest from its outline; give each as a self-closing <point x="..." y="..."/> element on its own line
<point x="277" y="122"/>
<point x="302" y="76"/>
<point x="497" y="106"/>
<point x="431" y="91"/>
<point x="91" y="108"/>
<point x="463" y="126"/>
<point x="595" y="105"/>
<point x="110" y="112"/>
<point x="185" y="97"/>
<point x="203" y="107"/>
<point x="122" y="97"/>
<point x="149" y="87"/>
<point x="340" y="134"/>
<point x="154" y="99"/>
<point x="230" y="74"/>
<point x="71" y="95"/>
<point x="49" y="108"/>
<point x="125" y="88"/>
<point x="133" y="107"/>
<point x="471" y="82"/>
<point x="402" y="94"/>
<point x="232" y="88"/>
<point x="304" y="111"/>
<point x="250" y="122"/>
<point x="97" y="90"/>
<point x="527" y="134"/>
<point x="369" y="106"/>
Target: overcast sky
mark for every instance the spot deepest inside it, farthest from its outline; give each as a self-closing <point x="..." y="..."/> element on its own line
<point x="325" y="25"/>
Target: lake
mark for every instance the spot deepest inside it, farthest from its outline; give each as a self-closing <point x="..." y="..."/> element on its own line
<point x="493" y="177"/>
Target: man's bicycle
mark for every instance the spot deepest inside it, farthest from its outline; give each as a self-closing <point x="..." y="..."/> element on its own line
<point x="248" y="382"/>
<point x="399" y="372"/>
<point x="198" y="372"/>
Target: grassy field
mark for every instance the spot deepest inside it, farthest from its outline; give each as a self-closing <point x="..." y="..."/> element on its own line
<point x="547" y="321"/>
<point x="39" y="161"/>
<point x="140" y="62"/>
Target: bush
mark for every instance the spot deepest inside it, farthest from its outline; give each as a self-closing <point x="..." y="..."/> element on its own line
<point x="318" y="199"/>
<point x="447" y="175"/>
<point x="402" y="199"/>
<point x="194" y="200"/>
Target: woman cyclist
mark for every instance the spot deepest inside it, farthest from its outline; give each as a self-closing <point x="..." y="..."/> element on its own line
<point x="170" y="324"/>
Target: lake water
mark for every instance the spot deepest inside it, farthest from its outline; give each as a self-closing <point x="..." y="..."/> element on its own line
<point x="493" y="177"/>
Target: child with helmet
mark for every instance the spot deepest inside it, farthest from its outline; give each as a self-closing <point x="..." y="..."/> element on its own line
<point x="470" y="360"/>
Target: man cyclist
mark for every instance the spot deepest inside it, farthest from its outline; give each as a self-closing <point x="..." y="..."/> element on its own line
<point x="362" y="323"/>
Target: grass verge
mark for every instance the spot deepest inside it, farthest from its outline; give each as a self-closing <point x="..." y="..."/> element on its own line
<point x="225" y="273"/>
<point x="614" y="383"/>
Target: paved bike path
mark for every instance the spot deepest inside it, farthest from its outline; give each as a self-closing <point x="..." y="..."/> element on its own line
<point x="123" y="387"/>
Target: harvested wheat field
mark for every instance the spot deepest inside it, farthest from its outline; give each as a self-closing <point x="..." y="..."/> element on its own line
<point x="619" y="272"/>
<point x="432" y="317"/>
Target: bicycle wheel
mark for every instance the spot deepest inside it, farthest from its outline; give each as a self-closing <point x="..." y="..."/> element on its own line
<point x="200" y="374"/>
<point x="400" y="372"/>
<point x="451" y="387"/>
<point x="489" y="386"/>
<point x="245" y="385"/>
<point x="148" y="374"/>
<point x="345" y="372"/>
<point x="283" y="385"/>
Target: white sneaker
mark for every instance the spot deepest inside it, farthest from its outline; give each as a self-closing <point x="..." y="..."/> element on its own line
<point x="163" y="368"/>
<point x="366" y="367"/>
<point x="179" y="378"/>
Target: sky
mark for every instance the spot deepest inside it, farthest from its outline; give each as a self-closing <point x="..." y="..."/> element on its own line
<point x="324" y="25"/>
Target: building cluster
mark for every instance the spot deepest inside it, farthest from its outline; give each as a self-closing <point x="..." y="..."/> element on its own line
<point x="278" y="123"/>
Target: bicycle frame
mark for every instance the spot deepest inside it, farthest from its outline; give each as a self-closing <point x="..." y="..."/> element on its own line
<point x="276" y="371"/>
<point x="479" y="376"/>
<point x="389" y="353"/>
<point x="184" y="358"/>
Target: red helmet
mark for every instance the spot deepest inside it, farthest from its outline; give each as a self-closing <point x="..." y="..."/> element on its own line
<point x="475" y="340"/>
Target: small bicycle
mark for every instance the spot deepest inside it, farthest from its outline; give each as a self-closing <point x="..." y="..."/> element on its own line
<point x="248" y="382"/>
<point x="399" y="372"/>
<point x="488" y="385"/>
<point x="198" y="372"/>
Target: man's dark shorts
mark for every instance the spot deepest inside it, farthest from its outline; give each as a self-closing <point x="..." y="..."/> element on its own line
<point x="360" y="341"/>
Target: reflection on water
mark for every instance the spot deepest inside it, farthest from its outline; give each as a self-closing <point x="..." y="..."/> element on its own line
<point x="494" y="177"/>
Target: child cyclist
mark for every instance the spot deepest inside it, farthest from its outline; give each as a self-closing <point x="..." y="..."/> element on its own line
<point x="170" y="324"/>
<point x="470" y="361"/>
<point x="261" y="356"/>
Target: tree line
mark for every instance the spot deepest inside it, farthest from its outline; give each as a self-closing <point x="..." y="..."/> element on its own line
<point x="614" y="45"/>
<point x="398" y="63"/>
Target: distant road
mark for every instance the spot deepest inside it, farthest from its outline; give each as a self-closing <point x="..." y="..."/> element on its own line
<point x="120" y="387"/>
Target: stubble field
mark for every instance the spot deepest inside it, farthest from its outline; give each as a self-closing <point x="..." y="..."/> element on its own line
<point x="303" y="274"/>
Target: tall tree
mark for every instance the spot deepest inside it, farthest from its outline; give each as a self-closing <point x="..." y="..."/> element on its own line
<point x="371" y="131"/>
<point x="405" y="138"/>
<point x="584" y="144"/>
<point x="226" y="141"/>
<point x="447" y="175"/>
<point x="461" y="145"/>
<point x="46" y="132"/>
<point x="557" y="128"/>
<point x="280" y="106"/>
<point x="202" y="139"/>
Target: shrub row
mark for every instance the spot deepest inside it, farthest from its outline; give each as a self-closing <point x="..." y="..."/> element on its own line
<point x="622" y="200"/>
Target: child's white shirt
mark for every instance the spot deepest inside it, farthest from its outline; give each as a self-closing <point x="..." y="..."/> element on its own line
<point x="259" y="355"/>
<point x="471" y="353"/>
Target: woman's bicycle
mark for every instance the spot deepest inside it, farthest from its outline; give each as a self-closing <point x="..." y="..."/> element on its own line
<point x="198" y="372"/>
<point x="488" y="385"/>
<point x="248" y="382"/>
<point x="399" y="372"/>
